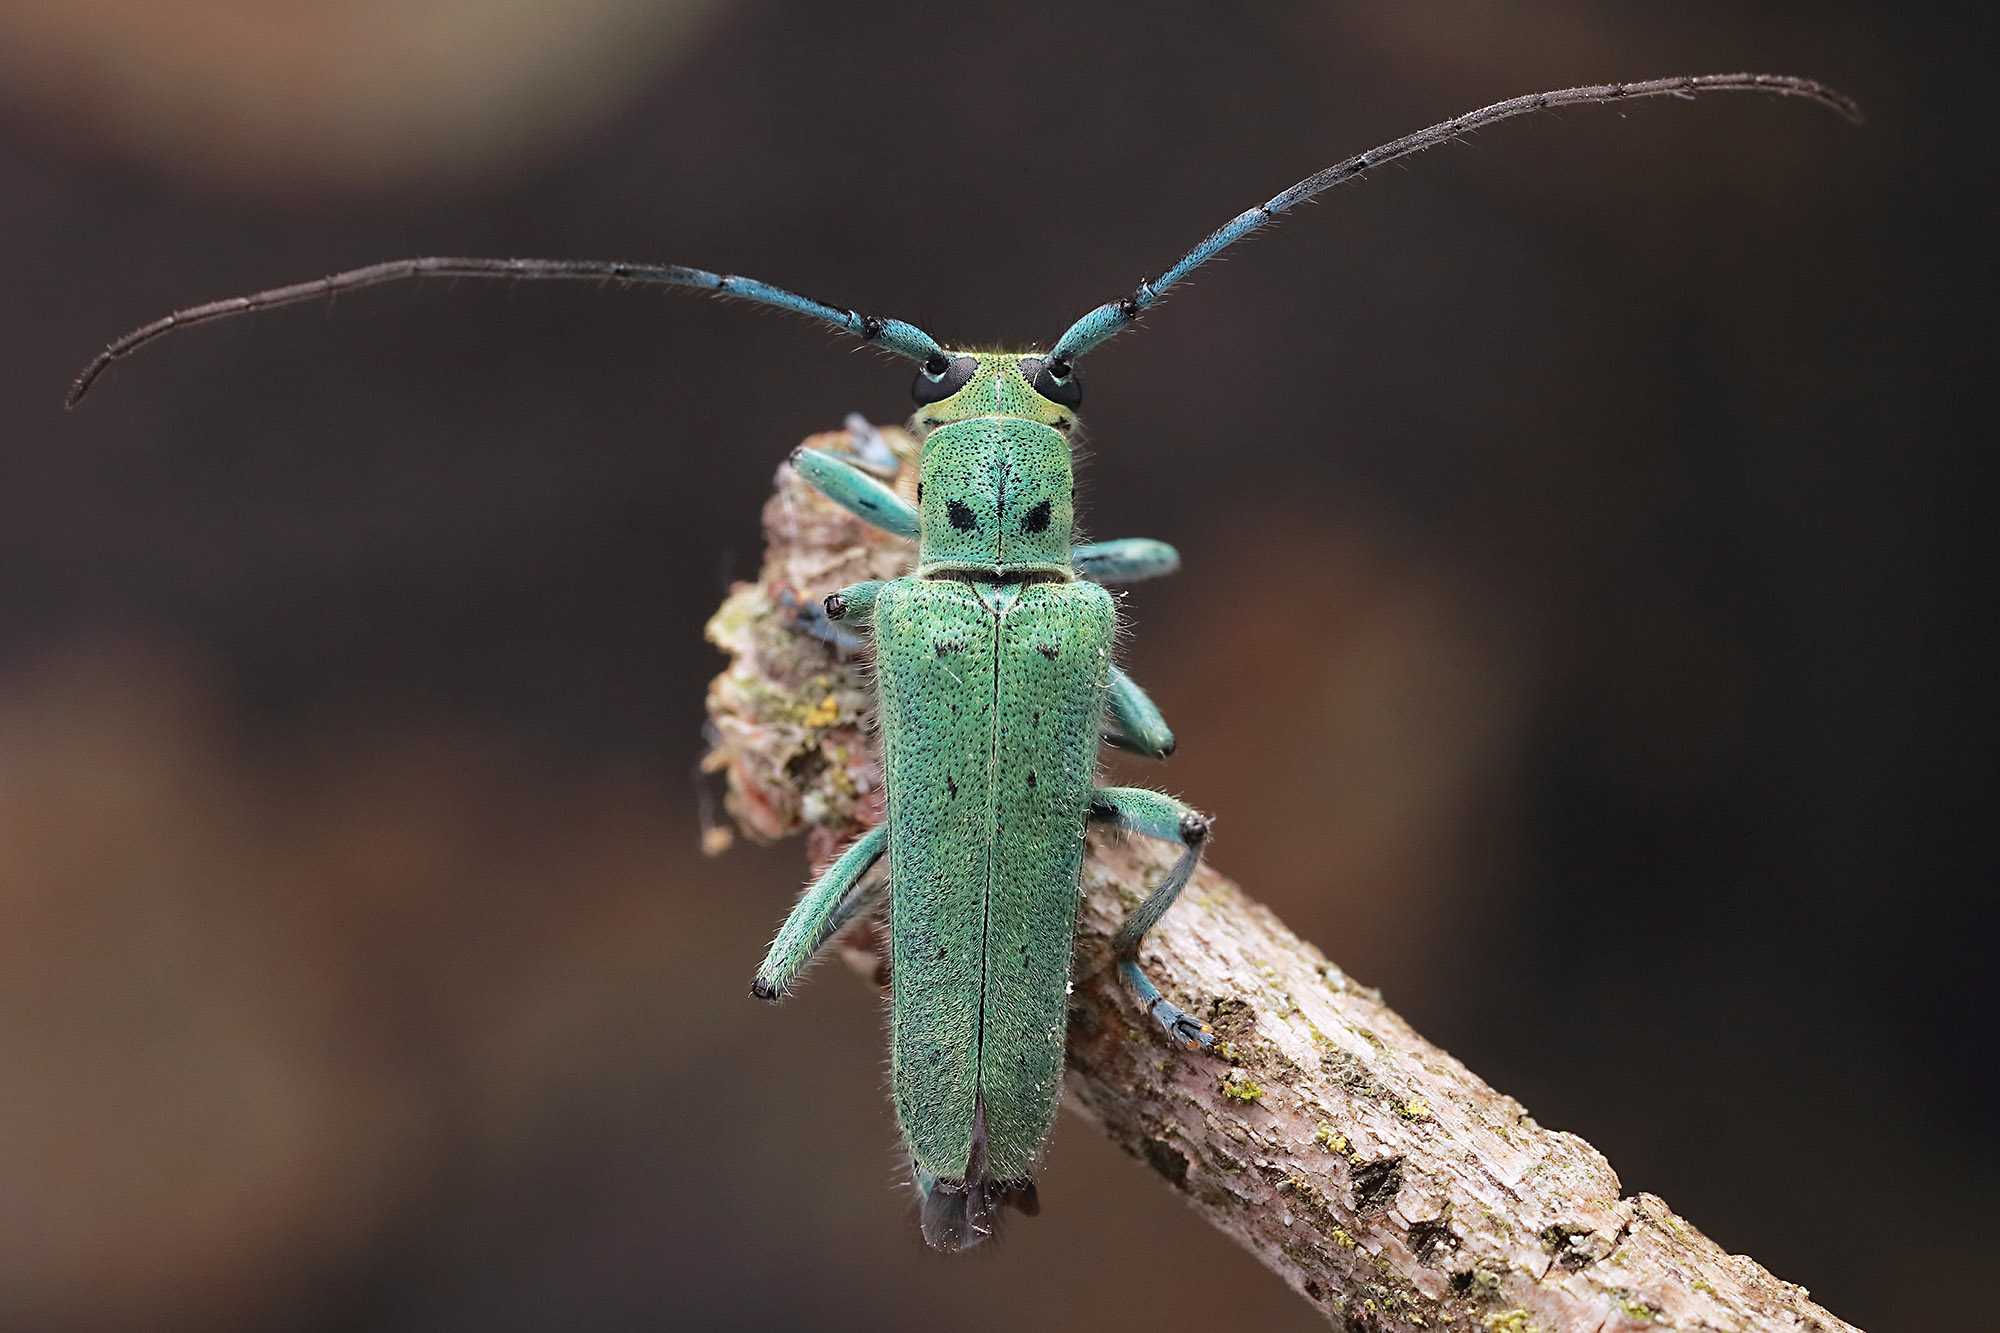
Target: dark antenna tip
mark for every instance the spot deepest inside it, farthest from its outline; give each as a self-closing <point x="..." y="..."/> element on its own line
<point x="1110" y="319"/>
<point x="903" y="339"/>
<point x="82" y="385"/>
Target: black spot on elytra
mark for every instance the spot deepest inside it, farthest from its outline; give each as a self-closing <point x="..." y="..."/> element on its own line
<point x="920" y="492"/>
<point x="1047" y="650"/>
<point x="961" y="516"/>
<point x="951" y="788"/>
<point x="941" y="953"/>
<point x="1031" y="777"/>
<point x="1376" y="1185"/>
<point x="1036" y="519"/>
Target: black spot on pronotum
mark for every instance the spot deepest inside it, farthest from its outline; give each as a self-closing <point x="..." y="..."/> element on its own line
<point x="1031" y="777"/>
<point x="1036" y="519"/>
<point x="961" y="516"/>
<point x="920" y="492"/>
<point x="1376" y="1184"/>
<point x="942" y="376"/>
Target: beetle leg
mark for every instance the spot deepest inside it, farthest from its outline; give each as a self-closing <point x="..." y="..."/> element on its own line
<point x="835" y="899"/>
<point x="811" y="618"/>
<point x="1136" y="723"/>
<point x="1156" y="816"/>
<point x="1126" y="560"/>
<point x="856" y="492"/>
<point x="854" y="605"/>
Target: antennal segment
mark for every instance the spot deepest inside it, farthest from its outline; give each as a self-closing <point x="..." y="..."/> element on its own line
<point x="894" y="334"/>
<point x="1113" y="317"/>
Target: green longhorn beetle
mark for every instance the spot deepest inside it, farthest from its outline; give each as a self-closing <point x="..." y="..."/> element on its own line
<point x="995" y="685"/>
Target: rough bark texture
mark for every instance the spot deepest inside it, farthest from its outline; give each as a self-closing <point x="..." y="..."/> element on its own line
<point x="1384" y="1181"/>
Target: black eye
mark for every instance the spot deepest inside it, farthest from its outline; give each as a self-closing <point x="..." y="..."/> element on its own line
<point x="1054" y="380"/>
<point x="943" y="376"/>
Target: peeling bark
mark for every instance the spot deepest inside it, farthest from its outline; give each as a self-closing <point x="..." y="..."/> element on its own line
<point x="1374" y="1173"/>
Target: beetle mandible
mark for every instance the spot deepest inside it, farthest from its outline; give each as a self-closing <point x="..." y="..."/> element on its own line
<point x="994" y="682"/>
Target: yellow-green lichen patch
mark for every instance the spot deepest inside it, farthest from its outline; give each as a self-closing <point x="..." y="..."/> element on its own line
<point x="1311" y="1203"/>
<point x="1342" y="1239"/>
<point x="1416" y="1108"/>
<point x="1478" y="1284"/>
<point x="1306" y="1257"/>
<point x="1324" y="1135"/>
<point x="1511" y="1321"/>
<point x="1636" y="1307"/>
<point x="1238" y="1087"/>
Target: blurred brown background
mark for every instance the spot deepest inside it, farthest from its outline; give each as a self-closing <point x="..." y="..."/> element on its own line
<point x="1586" y="632"/>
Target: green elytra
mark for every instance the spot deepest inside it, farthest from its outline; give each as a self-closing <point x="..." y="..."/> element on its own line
<point x="995" y="684"/>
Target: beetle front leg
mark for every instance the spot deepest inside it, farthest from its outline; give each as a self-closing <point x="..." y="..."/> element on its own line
<point x="1157" y="816"/>
<point x="836" y="899"/>
<point x="856" y="492"/>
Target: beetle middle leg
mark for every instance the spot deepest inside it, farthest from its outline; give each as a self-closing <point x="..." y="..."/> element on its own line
<point x="1136" y="723"/>
<point x="839" y="895"/>
<point x="1157" y="816"/>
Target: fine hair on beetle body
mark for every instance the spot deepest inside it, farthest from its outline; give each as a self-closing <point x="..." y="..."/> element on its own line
<point x="995" y="685"/>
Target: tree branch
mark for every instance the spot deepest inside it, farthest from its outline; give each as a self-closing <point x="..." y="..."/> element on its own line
<point x="1374" y="1173"/>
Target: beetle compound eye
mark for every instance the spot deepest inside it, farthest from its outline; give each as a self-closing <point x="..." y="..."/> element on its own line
<point x="1054" y="380"/>
<point x="943" y="376"/>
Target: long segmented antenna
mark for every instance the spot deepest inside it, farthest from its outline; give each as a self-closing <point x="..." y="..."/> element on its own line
<point x="894" y="334"/>
<point x="1112" y="318"/>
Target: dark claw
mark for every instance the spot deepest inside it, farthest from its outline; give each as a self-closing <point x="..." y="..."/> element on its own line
<point x="1194" y="1034"/>
<point x="760" y="991"/>
<point x="1189" y="1031"/>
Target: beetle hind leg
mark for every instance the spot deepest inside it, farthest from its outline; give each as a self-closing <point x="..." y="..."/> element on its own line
<point x="838" y="896"/>
<point x="1157" y="816"/>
